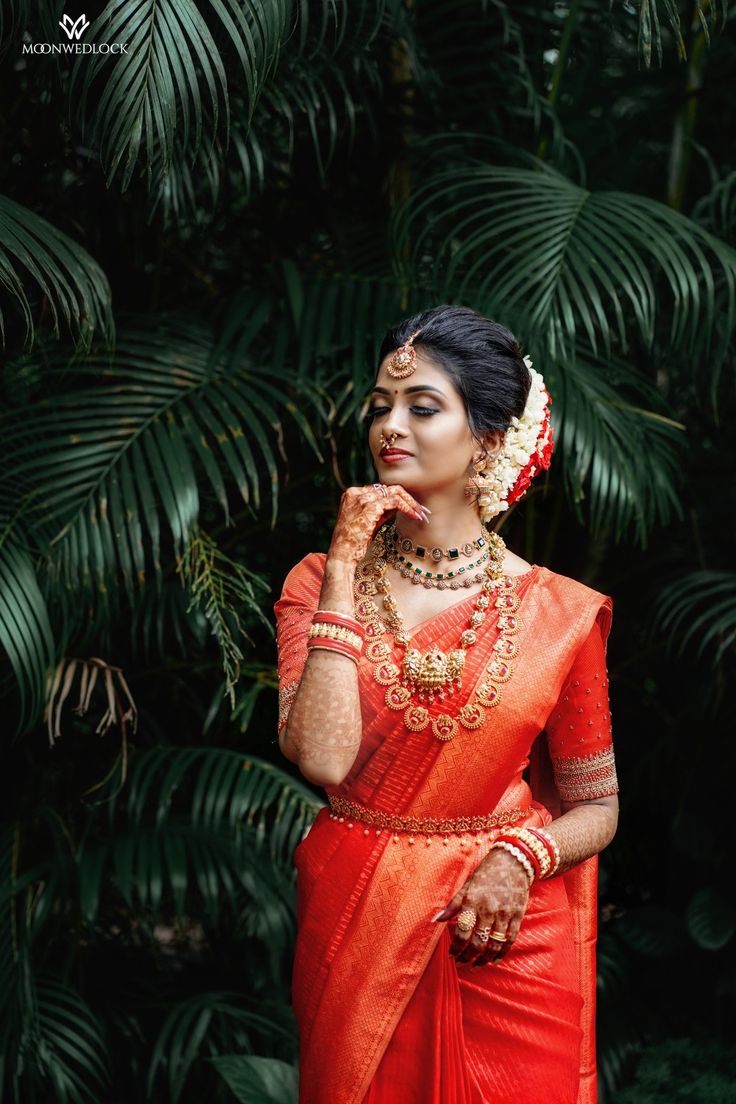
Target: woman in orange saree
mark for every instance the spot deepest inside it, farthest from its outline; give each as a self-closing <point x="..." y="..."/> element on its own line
<point x="395" y="1003"/>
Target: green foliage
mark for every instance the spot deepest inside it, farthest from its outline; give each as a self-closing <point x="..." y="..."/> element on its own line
<point x="75" y="286"/>
<point x="684" y="1071"/>
<point x="258" y="1080"/>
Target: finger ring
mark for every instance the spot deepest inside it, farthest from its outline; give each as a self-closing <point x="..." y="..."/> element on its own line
<point x="380" y="487"/>
<point x="483" y="934"/>
<point x="499" y="936"/>
<point x="466" y="919"/>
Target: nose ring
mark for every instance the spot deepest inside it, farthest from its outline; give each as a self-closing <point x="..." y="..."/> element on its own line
<point x="385" y="443"/>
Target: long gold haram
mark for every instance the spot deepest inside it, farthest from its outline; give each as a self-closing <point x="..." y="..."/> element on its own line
<point x="487" y="693"/>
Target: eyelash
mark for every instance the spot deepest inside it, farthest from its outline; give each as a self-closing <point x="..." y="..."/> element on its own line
<point x="423" y="411"/>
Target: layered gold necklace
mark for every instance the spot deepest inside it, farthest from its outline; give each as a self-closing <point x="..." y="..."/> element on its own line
<point x="423" y="677"/>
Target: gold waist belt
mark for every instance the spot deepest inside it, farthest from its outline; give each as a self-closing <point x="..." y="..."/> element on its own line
<point x="342" y="809"/>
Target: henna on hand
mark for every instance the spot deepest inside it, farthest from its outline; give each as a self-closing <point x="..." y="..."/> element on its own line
<point x="498" y="892"/>
<point x="362" y="511"/>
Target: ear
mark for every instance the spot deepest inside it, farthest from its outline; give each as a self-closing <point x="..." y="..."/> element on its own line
<point x="492" y="442"/>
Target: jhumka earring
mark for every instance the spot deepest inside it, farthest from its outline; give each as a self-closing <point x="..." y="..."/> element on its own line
<point x="404" y="360"/>
<point x="473" y="487"/>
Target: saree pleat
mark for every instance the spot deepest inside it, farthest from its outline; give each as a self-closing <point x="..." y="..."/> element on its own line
<point x="384" y="1012"/>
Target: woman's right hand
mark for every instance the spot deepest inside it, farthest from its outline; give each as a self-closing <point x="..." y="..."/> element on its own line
<point x="362" y="511"/>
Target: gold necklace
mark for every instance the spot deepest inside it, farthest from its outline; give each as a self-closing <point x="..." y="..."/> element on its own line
<point x="405" y="544"/>
<point x="433" y="674"/>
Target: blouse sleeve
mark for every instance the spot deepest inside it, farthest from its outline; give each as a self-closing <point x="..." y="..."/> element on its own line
<point x="579" y="727"/>
<point x="293" y="612"/>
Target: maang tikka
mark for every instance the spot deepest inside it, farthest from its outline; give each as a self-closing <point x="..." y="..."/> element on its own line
<point x="404" y="360"/>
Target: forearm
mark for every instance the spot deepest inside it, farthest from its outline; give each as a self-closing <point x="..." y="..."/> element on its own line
<point x="584" y="830"/>
<point x="323" y="731"/>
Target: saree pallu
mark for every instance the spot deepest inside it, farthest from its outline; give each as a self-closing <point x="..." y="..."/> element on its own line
<point x="385" y="1013"/>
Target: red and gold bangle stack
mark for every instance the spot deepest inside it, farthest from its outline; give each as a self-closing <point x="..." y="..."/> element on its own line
<point x="540" y="850"/>
<point x="336" y="632"/>
<point x="553" y="849"/>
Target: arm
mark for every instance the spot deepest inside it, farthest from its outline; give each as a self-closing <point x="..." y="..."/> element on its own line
<point x="321" y="725"/>
<point x="579" y="739"/>
<point x="323" y="749"/>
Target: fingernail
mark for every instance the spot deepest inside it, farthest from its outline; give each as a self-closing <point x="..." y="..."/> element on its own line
<point x="440" y="915"/>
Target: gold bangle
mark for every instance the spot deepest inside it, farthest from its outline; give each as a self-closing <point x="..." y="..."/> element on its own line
<point x="336" y="632"/>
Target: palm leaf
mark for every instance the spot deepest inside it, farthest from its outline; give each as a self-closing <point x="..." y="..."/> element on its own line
<point x="104" y="467"/>
<point x="258" y="1080"/>
<point x="566" y="265"/>
<point x="26" y="636"/>
<point x="623" y="457"/>
<point x="69" y="1050"/>
<point x="154" y="95"/>
<point x="73" y="284"/>
<point x="205" y="1022"/>
<point x="698" y="608"/>
<point x="204" y="823"/>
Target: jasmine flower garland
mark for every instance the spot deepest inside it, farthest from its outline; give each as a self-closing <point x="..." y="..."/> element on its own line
<point x="526" y="450"/>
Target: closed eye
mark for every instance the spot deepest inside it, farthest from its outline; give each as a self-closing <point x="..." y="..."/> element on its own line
<point x="423" y="411"/>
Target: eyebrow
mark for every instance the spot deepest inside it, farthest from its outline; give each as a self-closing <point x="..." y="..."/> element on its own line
<point x="408" y="390"/>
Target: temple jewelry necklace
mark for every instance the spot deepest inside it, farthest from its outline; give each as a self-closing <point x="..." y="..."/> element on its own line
<point x="432" y="674"/>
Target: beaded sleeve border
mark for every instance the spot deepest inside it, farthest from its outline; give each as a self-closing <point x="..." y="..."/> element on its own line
<point x="588" y="776"/>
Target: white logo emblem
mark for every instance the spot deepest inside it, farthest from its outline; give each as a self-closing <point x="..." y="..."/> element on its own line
<point x="74" y="28"/>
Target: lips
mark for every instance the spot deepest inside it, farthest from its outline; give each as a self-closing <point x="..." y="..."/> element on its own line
<point x="387" y="453"/>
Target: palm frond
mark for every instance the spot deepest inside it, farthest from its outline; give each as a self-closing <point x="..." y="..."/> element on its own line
<point x="209" y="1022"/>
<point x="153" y="94"/>
<point x="72" y="283"/>
<point x="717" y="209"/>
<point x="698" y="608"/>
<point x="623" y="457"/>
<point x="565" y="264"/>
<point x="26" y="635"/>
<point x="199" y="826"/>
<point x="650" y="31"/>
<point x="106" y="466"/>
<point x="77" y="1059"/>
<point x="255" y="1080"/>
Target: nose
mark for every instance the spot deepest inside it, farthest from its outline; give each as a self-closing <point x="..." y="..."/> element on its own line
<point x="392" y="427"/>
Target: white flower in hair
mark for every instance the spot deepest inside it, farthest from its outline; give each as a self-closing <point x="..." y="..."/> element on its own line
<point x="527" y="438"/>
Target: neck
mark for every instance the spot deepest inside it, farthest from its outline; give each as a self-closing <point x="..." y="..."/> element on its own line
<point x="447" y="527"/>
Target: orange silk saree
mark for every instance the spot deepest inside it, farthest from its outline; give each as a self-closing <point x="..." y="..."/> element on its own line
<point x="386" y="1015"/>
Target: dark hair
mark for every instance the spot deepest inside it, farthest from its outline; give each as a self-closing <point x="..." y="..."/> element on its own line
<point x="481" y="357"/>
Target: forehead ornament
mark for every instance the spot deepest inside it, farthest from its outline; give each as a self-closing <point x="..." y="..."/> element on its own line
<point x="404" y="360"/>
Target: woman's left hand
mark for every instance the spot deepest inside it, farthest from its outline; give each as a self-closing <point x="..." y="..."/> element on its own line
<point x="498" y="892"/>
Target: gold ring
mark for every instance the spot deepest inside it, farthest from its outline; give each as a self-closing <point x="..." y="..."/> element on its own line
<point x="499" y="937"/>
<point x="466" y="920"/>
